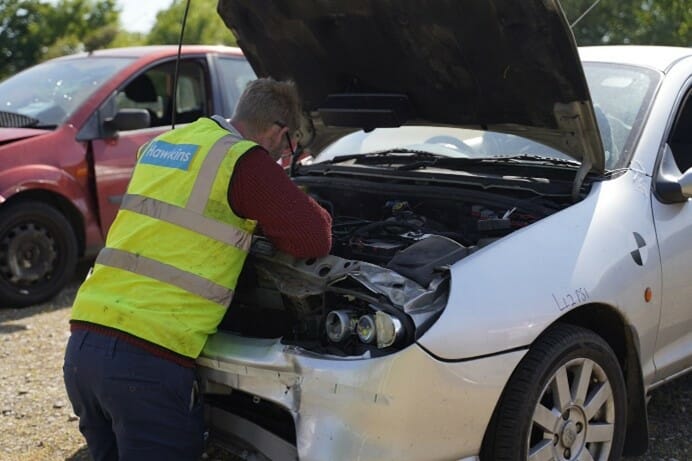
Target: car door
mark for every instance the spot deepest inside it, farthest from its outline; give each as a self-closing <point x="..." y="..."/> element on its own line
<point x="673" y="223"/>
<point x="114" y="155"/>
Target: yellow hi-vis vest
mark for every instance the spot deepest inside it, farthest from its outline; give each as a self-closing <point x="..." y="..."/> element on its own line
<point x="175" y="250"/>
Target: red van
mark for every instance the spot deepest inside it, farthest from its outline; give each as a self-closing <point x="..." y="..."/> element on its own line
<point x="69" y="131"/>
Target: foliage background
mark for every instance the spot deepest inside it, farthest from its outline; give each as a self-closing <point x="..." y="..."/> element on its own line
<point x="643" y="22"/>
<point x="32" y="31"/>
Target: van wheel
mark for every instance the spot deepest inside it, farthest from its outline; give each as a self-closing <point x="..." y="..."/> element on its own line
<point x="38" y="253"/>
<point x="565" y="401"/>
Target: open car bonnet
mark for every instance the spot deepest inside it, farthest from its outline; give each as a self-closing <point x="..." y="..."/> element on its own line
<point x="501" y="65"/>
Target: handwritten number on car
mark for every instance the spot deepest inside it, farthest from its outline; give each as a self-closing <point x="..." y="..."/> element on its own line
<point x="571" y="299"/>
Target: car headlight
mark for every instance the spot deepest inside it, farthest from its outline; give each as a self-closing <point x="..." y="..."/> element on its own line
<point x="366" y="329"/>
<point x="380" y="328"/>
<point x="340" y="325"/>
<point x="388" y="329"/>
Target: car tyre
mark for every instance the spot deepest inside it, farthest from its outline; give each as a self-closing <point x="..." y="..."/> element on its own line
<point x="565" y="401"/>
<point x="38" y="253"/>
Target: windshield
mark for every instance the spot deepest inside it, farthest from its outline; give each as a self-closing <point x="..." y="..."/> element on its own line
<point x="621" y="96"/>
<point x="50" y="92"/>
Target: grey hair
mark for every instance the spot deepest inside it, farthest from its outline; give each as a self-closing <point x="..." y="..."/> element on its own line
<point x="266" y="101"/>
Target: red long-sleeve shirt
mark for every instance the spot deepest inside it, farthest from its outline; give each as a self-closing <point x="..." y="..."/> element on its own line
<point x="261" y="190"/>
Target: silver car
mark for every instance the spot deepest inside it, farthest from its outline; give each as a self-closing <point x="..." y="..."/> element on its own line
<point x="512" y="224"/>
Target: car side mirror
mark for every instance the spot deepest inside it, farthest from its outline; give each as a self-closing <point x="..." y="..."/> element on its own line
<point x="128" y="119"/>
<point x="686" y="183"/>
<point x="671" y="186"/>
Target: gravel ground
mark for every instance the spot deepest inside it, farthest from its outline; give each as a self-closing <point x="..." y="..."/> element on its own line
<point x="37" y="423"/>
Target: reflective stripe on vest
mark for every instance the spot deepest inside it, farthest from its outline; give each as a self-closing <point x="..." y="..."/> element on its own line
<point x="188" y="219"/>
<point x="207" y="173"/>
<point x="164" y="273"/>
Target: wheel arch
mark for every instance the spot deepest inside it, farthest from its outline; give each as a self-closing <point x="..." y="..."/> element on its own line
<point x="609" y="324"/>
<point x="61" y="204"/>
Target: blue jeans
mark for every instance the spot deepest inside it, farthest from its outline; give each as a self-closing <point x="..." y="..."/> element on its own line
<point x="131" y="404"/>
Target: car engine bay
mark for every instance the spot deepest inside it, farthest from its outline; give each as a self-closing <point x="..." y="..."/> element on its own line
<point x="386" y="279"/>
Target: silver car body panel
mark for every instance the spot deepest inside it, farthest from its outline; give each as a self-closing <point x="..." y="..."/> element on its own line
<point x="674" y="344"/>
<point x="371" y="409"/>
<point x="494" y="303"/>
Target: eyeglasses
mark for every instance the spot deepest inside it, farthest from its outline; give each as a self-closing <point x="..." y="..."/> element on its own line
<point x="283" y="125"/>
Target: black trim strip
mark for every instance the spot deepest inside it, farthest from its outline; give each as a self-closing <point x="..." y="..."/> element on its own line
<point x="468" y="359"/>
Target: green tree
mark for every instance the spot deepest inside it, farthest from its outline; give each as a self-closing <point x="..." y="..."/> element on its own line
<point x="203" y="25"/>
<point x="125" y="38"/>
<point x="78" y="25"/>
<point x="643" y="22"/>
<point x="34" y="30"/>
<point x="21" y="36"/>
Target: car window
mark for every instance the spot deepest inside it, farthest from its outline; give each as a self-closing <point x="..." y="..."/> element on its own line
<point x="153" y="89"/>
<point x="52" y="91"/>
<point x="235" y="74"/>
<point x="680" y="139"/>
<point x="622" y="96"/>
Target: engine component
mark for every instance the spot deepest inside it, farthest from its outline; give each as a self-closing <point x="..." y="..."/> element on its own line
<point x="340" y="325"/>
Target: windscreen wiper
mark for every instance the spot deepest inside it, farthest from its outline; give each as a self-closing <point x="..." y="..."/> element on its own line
<point x="15" y="120"/>
<point x="531" y="158"/>
<point x="457" y="162"/>
<point x="414" y="159"/>
<point x="386" y="157"/>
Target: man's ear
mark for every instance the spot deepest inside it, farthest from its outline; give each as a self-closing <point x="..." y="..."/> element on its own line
<point x="281" y="134"/>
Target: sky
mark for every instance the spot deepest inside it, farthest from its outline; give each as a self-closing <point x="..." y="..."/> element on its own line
<point x="139" y="15"/>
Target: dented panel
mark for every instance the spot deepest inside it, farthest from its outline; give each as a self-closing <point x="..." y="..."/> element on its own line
<point x="365" y="409"/>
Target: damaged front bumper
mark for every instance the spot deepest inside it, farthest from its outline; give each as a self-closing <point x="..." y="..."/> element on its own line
<point x="279" y="402"/>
